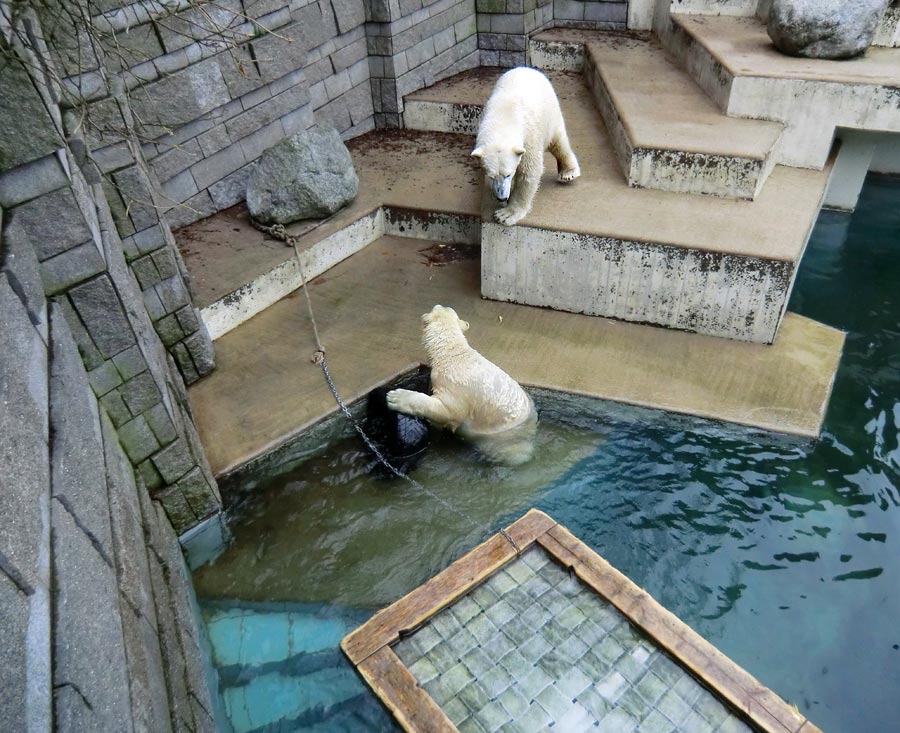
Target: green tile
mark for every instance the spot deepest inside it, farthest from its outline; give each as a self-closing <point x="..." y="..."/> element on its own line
<point x="617" y="721"/>
<point x="439" y="690"/>
<point x="495" y="681"/>
<point x="473" y="696"/>
<point x="571" y="617"/>
<point x="465" y="609"/>
<point x="589" y="632"/>
<point x="554" y="632"/>
<point x="594" y="702"/>
<point x="442" y="656"/>
<point x="445" y="625"/>
<point x="519" y="572"/>
<point x="423" y="670"/>
<point x="631" y="669"/>
<point x="573" y="683"/>
<point x="492" y="716"/>
<point x="734" y="725"/>
<point x="633" y="704"/>
<point x="593" y="666"/>
<point x="533" y="683"/>
<point x="463" y="642"/>
<point x="696" y="723"/>
<point x="456" y="710"/>
<point x="711" y="709"/>
<point x="572" y="649"/>
<point x="609" y="650"/>
<point x="689" y="689"/>
<point x="482" y="628"/>
<point x="651" y="688"/>
<point x="456" y="678"/>
<point x="499" y="646"/>
<point x="477" y="662"/>
<point x="500" y="613"/>
<point x="535" y="720"/>
<point x="515" y="663"/>
<point x="535" y="616"/>
<point x="554" y="702"/>
<point x="471" y="725"/>
<point x="501" y="583"/>
<point x="673" y="707"/>
<point x="655" y="723"/>
<point x="426" y="639"/>
<point x="513" y="702"/>
<point x="571" y="587"/>
<point x="554" y="664"/>
<point x="519" y="633"/>
<point x="534" y="649"/>
<point x="667" y="670"/>
<point x="611" y="687"/>
<point x="535" y="558"/>
<point x="483" y="596"/>
<point x="518" y="599"/>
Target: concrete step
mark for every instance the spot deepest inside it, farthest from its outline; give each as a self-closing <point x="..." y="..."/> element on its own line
<point x="667" y="133"/>
<point x="600" y="247"/>
<point x="734" y="62"/>
<point x="888" y="33"/>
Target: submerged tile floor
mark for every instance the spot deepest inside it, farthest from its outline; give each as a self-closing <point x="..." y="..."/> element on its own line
<point x="533" y="648"/>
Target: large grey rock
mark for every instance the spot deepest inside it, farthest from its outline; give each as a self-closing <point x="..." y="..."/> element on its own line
<point x="824" y="29"/>
<point x="305" y="176"/>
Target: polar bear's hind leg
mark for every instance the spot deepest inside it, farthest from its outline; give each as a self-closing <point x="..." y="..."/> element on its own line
<point x="566" y="162"/>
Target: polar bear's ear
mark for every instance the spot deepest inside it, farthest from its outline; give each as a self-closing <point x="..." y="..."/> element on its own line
<point x="477" y="153"/>
<point x="519" y="151"/>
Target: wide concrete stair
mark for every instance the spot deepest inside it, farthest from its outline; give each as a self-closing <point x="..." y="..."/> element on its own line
<point x="732" y="59"/>
<point x="604" y="247"/>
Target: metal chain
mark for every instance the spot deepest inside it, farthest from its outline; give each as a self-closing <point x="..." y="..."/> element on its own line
<point x="279" y="232"/>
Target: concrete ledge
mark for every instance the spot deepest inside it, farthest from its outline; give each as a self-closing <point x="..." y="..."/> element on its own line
<point x="691" y="290"/>
<point x="666" y="132"/>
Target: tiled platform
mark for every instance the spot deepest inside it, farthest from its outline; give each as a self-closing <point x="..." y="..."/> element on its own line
<point x="533" y="631"/>
<point x="534" y="648"/>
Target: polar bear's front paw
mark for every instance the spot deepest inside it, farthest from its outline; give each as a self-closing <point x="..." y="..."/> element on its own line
<point x="569" y="175"/>
<point x="509" y="215"/>
<point x="401" y="400"/>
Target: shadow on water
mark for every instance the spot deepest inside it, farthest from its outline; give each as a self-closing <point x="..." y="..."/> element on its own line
<point x="782" y="552"/>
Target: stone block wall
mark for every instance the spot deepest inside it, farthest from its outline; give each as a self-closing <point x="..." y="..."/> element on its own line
<point x="101" y="461"/>
<point x="504" y="27"/>
<point x="414" y="43"/>
<point x="597" y="14"/>
<point x="91" y="574"/>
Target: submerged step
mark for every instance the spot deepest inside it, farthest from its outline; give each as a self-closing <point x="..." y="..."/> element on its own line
<point x="666" y="132"/>
<point x="734" y="62"/>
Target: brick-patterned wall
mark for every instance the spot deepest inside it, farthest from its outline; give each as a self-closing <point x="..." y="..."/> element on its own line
<point x="504" y="27"/>
<point x="599" y="14"/>
<point x="413" y="44"/>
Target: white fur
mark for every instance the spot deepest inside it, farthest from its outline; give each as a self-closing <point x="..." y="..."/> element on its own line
<point x="521" y="121"/>
<point x="470" y="394"/>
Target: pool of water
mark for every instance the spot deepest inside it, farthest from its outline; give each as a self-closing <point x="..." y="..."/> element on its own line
<point x="781" y="552"/>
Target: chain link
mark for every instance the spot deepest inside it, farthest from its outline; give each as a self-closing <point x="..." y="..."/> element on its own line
<point x="279" y="232"/>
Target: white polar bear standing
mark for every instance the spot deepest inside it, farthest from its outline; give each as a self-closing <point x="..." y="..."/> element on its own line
<point x="521" y="121"/>
<point x="470" y="395"/>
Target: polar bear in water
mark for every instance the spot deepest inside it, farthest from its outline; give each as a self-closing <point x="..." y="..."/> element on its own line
<point x="521" y="121"/>
<point x="470" y="395"/>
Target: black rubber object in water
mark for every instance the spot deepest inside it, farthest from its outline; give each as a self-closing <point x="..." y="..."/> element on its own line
<point x="401" y="438"/>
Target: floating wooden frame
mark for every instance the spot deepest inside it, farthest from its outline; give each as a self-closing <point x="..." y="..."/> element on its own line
<point x="369" y="646"/>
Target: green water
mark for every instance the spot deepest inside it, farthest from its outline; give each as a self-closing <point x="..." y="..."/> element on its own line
<point x="781" y="552"/>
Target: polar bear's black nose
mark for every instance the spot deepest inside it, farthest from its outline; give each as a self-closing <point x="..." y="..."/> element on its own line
<point x="502" y="199"/>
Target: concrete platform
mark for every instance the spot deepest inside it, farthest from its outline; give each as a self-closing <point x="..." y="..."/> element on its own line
<point x="733" y="60"/>
<point x="265" y="390"/>
<point x="237" y="271"/>
<point x="600" y="247"/>
<point x="888" y="33"/>
<point x="667" y="133"/>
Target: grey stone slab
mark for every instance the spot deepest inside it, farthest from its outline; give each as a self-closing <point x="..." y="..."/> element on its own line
<point x="31" y="180"/>
<point x="174" y="461"/>
<point x="88" y="648"/>
<point x="24" y="425"/>
<point x="15" y="611"/>
<point x="200" y="494"/>
<point x="180" y="98"/>
<point x="22" y="271"/>
<point x="220" y="164"/>
<point x="98" y="304"/>
<point x="114" y="406"/>
<point x="231" y="189"/>
<point x="139" y="197"/>
<point x="23" y="108"/>
<point x="130" y="362"/>
<point x="90" y="355"/>
<point x="76" y="450"/>
<point x="53" y="223"/>
<point x="201" y="349"/>
<point x="176" y="159"/>
<point x="146" y="674"/>
<point x="130" y="554"/>
<point x="73" y="266"/>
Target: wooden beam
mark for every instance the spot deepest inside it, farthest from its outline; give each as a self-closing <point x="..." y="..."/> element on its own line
<point x="444" y="588"/>
<point x="394" y="684"/>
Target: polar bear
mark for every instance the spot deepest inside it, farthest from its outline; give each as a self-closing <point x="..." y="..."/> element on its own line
<point x="521" y="121"/>
<point x="470" y="395"/>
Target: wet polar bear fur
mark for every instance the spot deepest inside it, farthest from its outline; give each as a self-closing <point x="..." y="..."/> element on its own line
<point x="521" y="121"/>
<point x="470" y="395"/>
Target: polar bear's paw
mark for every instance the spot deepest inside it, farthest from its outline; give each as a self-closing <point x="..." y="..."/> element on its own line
<point x="569" y="175"/>
<point x="402" y="400"/>
<point x="510" y="215"/>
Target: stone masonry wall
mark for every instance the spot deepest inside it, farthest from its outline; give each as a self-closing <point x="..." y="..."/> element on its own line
<point x="597" y="14"/>
<point x="101" y="461"/>
<point x="504" y="27"/>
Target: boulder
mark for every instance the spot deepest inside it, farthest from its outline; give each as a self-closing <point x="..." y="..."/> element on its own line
<point x="308" y="175"/>
<point x="824" y="29"/>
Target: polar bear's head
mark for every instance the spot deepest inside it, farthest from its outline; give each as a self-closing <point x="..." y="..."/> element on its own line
<point x="499" y="163"/>
<point x="443" y="330"/>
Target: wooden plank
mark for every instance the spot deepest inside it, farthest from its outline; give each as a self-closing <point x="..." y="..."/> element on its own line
<point x="394" y="684"/>
<point x="745" y="693"/>
<point x="444" y="588"/>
